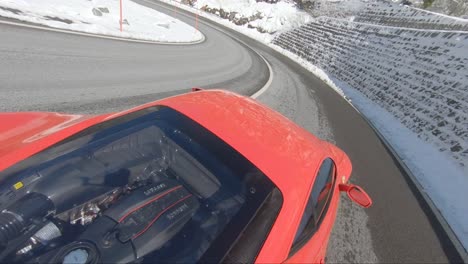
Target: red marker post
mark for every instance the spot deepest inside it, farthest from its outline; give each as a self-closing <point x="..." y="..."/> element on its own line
<point x="121" y="21"/>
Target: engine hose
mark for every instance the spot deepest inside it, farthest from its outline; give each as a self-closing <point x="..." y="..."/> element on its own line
<point x="20" y="214"/>
<point x="10" y="226"/>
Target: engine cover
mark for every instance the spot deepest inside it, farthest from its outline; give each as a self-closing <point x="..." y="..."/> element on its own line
<point x="136" y="225"/>
<point x="152" y="215"/>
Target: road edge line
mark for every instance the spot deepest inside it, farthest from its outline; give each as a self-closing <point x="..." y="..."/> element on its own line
<point x="270" y="79"/>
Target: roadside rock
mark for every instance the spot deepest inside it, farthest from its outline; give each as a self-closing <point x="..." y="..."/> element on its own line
<point x="235" y="18"/>
<point x="164" y="25"/>
<point x="188" y="2"/>
<point x="104" y="10"/>
<point x="96" y="12"/>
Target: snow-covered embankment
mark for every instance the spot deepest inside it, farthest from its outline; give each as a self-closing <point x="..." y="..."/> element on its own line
<point x="102" y="17"/>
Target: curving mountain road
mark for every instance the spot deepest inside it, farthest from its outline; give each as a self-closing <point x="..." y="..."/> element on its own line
<point x="50" y="71"/>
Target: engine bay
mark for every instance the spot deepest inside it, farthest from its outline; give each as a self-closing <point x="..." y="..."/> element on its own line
<point x="134" y="226"/>
<point x="143" y="192"/>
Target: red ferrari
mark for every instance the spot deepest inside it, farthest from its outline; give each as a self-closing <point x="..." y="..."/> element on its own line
<point x="208" y="176"/>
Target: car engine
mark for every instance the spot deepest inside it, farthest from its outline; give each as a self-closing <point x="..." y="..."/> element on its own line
<point x="121" y="225"/>
<point x="118" y="202"/>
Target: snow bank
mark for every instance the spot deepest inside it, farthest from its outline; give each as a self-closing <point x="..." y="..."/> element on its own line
<point x="101" y="17"/>
<point x="265" y="17"/>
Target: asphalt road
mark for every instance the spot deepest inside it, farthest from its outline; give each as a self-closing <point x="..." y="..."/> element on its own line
<point x="49" y="71"/>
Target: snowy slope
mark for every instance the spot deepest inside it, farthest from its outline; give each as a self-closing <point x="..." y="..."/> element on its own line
<point x="263" y="16"/>
<point x="101" y="17"/>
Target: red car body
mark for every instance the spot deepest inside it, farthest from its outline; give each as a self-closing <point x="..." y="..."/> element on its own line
<point x="289" y="155"/>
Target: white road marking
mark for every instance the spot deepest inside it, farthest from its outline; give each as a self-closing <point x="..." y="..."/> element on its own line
<point x="268" y="83"/>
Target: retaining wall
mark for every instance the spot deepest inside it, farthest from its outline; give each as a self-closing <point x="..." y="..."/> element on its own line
<point x="388" y="14"/>
<point x="421" y="77"/>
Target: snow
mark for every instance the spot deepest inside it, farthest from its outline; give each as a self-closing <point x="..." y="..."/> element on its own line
<point x="102" y="17"/>
<point x="264" y="38"/>
<point x="274" y="17"/>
